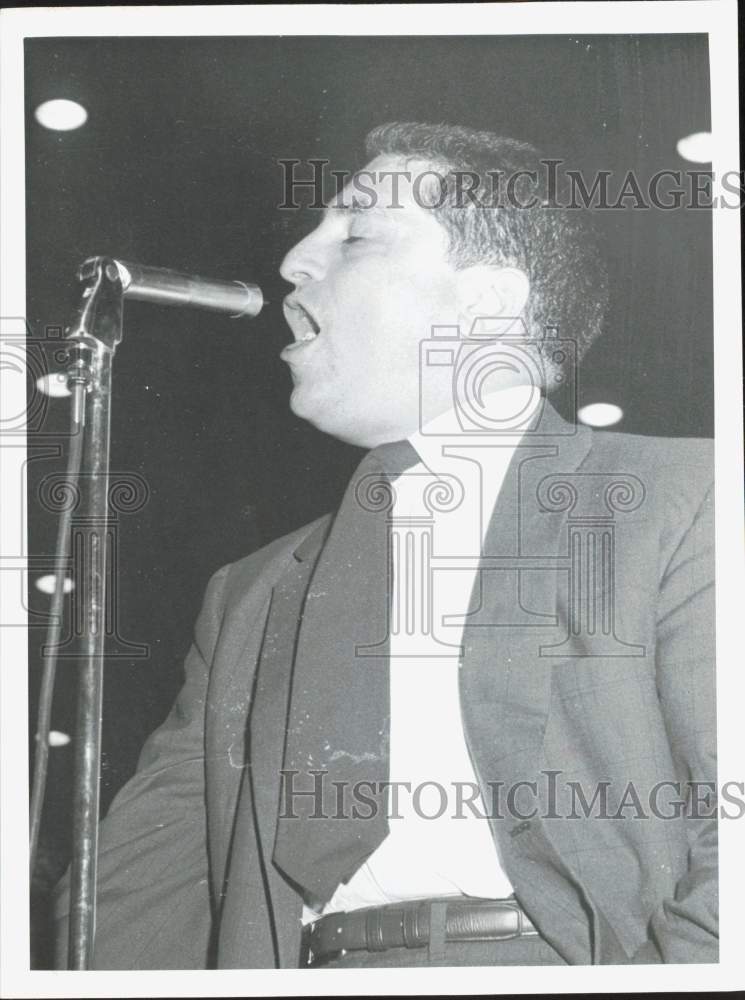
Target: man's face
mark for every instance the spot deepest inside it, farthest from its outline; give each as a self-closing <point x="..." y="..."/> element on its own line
<point x="369" y="283"/>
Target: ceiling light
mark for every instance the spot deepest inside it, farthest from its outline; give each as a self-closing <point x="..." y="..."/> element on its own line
<point x="54" y="385"/>
<point x="61" y="115"/>
<point x="696" y="147"/>
<point x="46" y="584"/>
<point x="600" y="414"/>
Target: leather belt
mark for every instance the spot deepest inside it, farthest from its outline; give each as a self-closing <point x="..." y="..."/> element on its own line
<point x="407" y="925"/>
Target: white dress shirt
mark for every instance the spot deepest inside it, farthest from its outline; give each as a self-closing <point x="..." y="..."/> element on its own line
<point x="436" y="845"/>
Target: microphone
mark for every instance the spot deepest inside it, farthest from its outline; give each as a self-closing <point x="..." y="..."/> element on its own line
<point x="172" y="288"/>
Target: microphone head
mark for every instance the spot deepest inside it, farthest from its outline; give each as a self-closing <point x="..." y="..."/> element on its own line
<point x="166" y="287"/>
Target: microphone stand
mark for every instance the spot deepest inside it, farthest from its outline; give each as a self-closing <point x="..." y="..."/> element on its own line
<point x="93" y="337"/>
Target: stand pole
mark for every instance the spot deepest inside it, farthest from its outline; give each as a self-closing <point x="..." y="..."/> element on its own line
<point x="93" y="337"/>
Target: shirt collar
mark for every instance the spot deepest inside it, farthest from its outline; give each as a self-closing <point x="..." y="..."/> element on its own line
<point x="518" y="402"/>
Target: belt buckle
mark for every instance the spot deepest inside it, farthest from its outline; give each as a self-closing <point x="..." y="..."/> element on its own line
<point x="523" y="928"/>
<point x="307" y="959"/>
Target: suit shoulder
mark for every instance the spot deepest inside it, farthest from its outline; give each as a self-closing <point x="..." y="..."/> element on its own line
<point x="268" y="561"/>
<point x="678" y="471"/>
<point x="660" y="455"/>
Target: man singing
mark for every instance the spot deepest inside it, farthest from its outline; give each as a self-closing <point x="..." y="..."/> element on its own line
<point x="468" y="719"/>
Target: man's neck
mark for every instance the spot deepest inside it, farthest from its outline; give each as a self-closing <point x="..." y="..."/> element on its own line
<point x="504" y="415"/>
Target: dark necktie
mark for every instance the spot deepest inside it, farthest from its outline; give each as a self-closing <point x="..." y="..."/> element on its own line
<point x="339" y="712"/>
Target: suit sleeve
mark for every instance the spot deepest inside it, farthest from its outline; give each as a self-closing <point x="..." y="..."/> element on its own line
<point x="684" y="928"/>
<point x="153" y="900"/>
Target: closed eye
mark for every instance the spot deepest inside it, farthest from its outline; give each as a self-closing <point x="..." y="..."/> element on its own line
<point x="353" y="239"/>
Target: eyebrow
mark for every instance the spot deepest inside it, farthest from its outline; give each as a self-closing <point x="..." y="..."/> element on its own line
<point x="377" y="210"/>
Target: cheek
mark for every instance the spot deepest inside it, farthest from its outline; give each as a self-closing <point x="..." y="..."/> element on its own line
<point x="409" y="320"/>
<point x="393" y="310"/>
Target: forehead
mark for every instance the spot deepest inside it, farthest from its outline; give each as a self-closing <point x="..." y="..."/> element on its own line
<point x="389" y="184"/>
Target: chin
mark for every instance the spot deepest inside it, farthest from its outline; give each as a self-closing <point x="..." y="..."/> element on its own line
<point x="328" y="419"/>
<point x="315" y="411"/>
<point x="301" y="405"/>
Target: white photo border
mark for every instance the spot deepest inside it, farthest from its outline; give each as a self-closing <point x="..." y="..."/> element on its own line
<point x="717" y="19"/>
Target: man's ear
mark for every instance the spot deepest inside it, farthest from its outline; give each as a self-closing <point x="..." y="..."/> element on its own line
<point x="492" y="297"/>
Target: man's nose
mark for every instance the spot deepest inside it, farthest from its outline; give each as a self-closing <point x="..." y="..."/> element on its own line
<point x="304" y="262"/>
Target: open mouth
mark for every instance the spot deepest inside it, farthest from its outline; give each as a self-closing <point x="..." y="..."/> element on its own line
<point x="302" y="322"/>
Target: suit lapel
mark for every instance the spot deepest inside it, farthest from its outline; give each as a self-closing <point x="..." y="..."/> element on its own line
<point x="247" y="940"/>
<point x="512" y="612"/>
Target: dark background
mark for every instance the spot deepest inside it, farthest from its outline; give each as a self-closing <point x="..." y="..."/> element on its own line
<point x="177" y="166"/>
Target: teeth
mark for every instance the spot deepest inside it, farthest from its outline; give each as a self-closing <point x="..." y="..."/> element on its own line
<point x="303" y="324"/>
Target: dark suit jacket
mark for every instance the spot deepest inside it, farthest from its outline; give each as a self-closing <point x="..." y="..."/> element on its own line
<point x="622" y="696"/>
